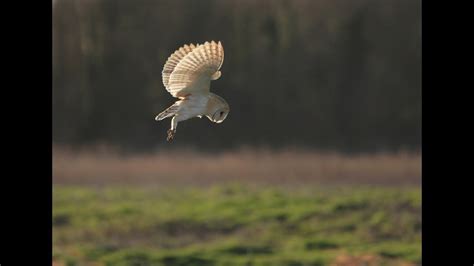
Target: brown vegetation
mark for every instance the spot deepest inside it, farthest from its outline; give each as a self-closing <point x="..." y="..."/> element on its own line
<point x="282" y="167"/>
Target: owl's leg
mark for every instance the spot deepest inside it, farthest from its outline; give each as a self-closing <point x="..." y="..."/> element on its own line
<point x="172" y="130"/>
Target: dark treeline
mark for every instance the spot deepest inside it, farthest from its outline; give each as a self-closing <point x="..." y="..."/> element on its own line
<point x="325" y="74"/>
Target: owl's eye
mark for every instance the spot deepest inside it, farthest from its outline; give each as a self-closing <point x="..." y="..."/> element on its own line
<point x="222" y="113"/>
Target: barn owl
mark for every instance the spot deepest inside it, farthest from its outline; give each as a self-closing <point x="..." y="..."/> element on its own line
<point x="187" y="75"/>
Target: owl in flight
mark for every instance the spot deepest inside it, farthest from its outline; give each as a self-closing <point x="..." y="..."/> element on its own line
<point x="187" y="75"/>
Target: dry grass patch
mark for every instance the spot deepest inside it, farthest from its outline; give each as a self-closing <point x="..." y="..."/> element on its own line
<point x="282" y="167"/>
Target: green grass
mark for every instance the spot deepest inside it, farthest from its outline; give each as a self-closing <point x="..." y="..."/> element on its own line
<point x="234" y="225"/>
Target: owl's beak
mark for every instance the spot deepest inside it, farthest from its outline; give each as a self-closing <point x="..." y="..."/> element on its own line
<point x="214" y="118"/>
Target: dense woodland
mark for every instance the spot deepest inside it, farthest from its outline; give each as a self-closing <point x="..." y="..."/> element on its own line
<point x="323" y="74"/>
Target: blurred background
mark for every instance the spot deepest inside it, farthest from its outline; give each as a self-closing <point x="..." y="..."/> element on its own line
<point x="318" y="162"/>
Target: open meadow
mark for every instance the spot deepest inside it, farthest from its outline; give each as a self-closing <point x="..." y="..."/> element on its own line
<point x="240" y="208"/>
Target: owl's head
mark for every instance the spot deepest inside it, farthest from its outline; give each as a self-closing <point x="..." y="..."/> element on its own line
<point x="220" y="115"/>
<point x="218" y="109"/>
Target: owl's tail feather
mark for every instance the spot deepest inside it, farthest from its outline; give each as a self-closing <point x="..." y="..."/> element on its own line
<point x="170" y="111"/>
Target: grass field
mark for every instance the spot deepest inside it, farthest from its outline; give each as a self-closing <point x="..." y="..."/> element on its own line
<point x="108" y="220"/>
<point x="235" y="225"/>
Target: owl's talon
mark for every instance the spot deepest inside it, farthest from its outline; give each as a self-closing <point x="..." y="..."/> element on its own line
<point x="171" y="134"/>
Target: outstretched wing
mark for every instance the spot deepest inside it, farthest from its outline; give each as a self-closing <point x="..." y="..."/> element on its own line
<point x="173" y="60"/>
<point x="194" y="72"/>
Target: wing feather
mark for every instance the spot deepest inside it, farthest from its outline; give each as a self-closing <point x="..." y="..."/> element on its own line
<point x="194" y="72"/>
<point x="173" y="60"/>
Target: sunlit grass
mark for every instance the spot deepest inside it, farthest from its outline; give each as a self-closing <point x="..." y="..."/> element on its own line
<point x="234" y="225"/>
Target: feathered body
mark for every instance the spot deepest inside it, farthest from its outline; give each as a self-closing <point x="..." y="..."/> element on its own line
<point x="187" y="75"/>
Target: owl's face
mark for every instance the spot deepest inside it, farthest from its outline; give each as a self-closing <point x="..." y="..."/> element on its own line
<point x="217" y="108"/>
<point x="220" y="114"/>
